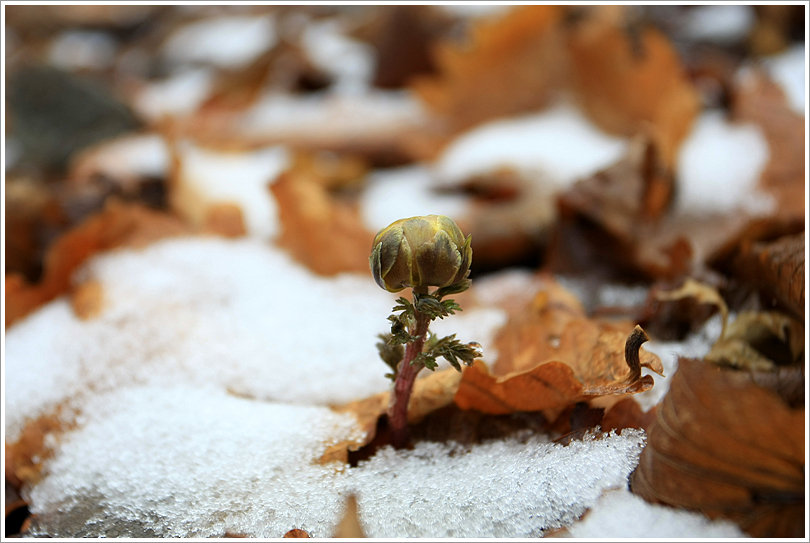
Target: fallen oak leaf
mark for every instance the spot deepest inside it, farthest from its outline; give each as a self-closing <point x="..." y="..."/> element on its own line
<point x="552" y="384"/>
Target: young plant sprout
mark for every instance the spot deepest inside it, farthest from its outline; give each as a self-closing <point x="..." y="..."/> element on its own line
<point x="418" y="253"/>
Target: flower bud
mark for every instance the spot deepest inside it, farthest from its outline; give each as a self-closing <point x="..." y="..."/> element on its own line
<point x="420" y="251"/>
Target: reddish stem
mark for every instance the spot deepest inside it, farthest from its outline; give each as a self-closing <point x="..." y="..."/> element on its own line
<point x="398" y="408"/>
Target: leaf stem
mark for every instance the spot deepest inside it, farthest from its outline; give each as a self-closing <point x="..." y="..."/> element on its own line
<point x="398" y="408"/>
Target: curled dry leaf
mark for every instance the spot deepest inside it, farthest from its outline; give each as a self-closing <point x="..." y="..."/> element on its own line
<point x="550" y="356"/>
<point x="725" y="446"/>
<point x="759" y="340"/>
<point x="117" y="225"/>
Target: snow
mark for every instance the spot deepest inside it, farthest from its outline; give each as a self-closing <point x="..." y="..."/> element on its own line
<point x="177" y="96"/>
<point x="409" y="191"/>
<point x="330" y="116"/>
<point x="236" y="315"/>
<point x="789" y="70"/>
<point x="720" y="23"/>
<point x="719" y="165"/>
<point x="559" y="142"/>
<point x="83" y="49"/>
<point x="200" y="463"/>
<point x="126" y="158"/>
<point x="349" y="62"/>
<point x="183" y="462"/>
<point x="225" y="41"/>
<point x="506" y="488"/>
<point x="621" y="514"/>
<point x="242" y="178"/>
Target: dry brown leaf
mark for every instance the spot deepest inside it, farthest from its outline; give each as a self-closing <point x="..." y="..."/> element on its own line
<point x="117" y="225"/>
<point x="703" y="294"/>
<point x="759" y="100"/>
<point x="349" y="526"/>
<point x="616" y="221"/>
<point x="776" y="269"/>
<point x="87" y="300"/>
<point x="430" y="393"/>
<point x="631" y="81"/>
<point x="727" y="447"/>
<point x="321" y="230"/>
<point x="224" y="220"/>
<point x="590" y="361"/>
<point x="759" y="340"/>
<point x="296" y="532"/>
<point x="509" y="66"/>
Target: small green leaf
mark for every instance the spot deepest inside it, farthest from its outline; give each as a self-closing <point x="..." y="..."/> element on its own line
<point x="391" y="354"/>
<point x="456" y="288"/>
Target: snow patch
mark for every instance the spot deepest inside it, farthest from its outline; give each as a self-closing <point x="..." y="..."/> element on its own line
<point x="789" y="69"/>
<point x="241" y="178"/>
<point x="719" y="166"/>
<point x="182" y="462"/>
<point x="83" y="49"/>
<point x="507" y="488"/>
<point x="177" y="96"/>
<point x="225" y="41"/>
<point x="234" y="315"/>
<point x="559" y="142"/>
<point x="406" y="192"/>
<point x="720" y="23"/>
<point x="621" y="514"/>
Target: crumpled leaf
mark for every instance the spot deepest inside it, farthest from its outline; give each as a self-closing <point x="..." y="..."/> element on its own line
<point x="616" y="221"/>
<point x="549" y="356"/>
<point x="759" y="340"/>
<point x="755" y="340"/>
<point x="321" y="229"/>
<point x="727" y="447"/>
<point x="430" y="393"/>
<point x="117" y="225"/>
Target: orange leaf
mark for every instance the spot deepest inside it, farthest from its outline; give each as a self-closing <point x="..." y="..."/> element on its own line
<point x="321" y="231"/>
<point x="117" y="225"/>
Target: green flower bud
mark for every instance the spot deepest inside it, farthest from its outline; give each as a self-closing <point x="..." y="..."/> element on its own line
<point x="420" y="251"/>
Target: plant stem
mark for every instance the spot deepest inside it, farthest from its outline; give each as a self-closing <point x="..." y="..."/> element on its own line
<point x="398" y="408"/>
